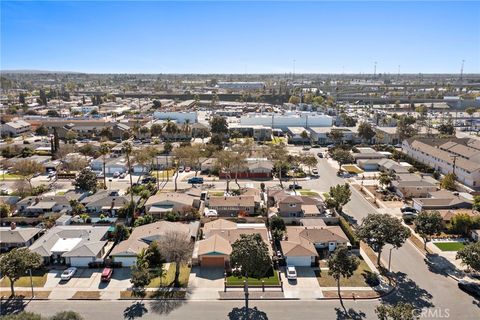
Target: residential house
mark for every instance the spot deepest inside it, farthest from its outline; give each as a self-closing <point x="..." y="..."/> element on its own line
<point x="73" y="245"/>
<point x="302" y="243"/>
<point x="218" y="236"/>
<point x="16" y="128"/>
<point x="107" y="202"/>
<point x="126" y="251"/>
<point x="36" y="205"/>
<point x="322" y="135"/>
<point x="293" y="208"/>
<point x="255" y="168"/>
<point x="232" y="206"/>
<point x="13" y="237"/>
<point x="158" y="205"/>
<point x="411" y="185"/>
<point x="443" y="200"/>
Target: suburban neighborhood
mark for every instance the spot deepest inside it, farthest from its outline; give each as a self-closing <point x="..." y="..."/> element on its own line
<point x="255" y="195"/>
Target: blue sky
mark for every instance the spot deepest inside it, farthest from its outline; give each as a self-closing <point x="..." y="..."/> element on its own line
<point x="234" y="37"/>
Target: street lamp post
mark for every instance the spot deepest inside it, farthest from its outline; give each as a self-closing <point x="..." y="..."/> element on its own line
<point x="390" y="258"/>
<point x="31" y="281"/>
<point x="245" y="289"/>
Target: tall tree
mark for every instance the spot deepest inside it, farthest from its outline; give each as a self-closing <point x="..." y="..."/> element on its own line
<point x="250" y="256"/>
<point x="470" y="256"/>
<point x="226" y="163"/>
<point x="427" y="224"/>
<point x="176" y="247"/>
<point x="15" y="264"/>
<point x="377" y="230"/>
<point x="104" y="151"/>
<point x="365" y="131"/>
<point x="27" y="169"/>
<point x="338" y="196"/>
<point x="127" y="149"/>
<point x="448" y="182"/>
<point x="86" y="180"/>
<point x="342" y="264"/>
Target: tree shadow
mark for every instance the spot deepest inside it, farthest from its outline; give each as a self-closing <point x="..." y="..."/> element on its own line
<point x="136" y="310"/>
<point x="12" y="306"/>
<point x="442" y="266"/>
<point x="167" y="299"/>
<point x="350" y="314"/>
<point x="408" y="291"/>
<point x="241" y="314"/>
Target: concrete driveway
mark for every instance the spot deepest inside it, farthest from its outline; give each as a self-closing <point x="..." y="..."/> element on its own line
<point x="89" y="279"/>
<point x="305" y="287"/>
<point x="205" y="283"/>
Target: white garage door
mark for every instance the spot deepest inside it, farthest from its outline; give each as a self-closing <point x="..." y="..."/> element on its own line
<point x="299" y="261"/>
<point x="126" y="261"/>
<point x="80" y="261"/>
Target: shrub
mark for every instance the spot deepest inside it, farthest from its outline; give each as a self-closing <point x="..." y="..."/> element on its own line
<point x="348" y="232"/>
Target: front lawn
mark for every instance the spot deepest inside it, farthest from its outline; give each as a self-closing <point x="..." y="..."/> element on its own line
<point x="352" y="168"/>
<point x="307" y="192"/>
<point x="10" y="176"/>
<point x="357" y="280"/>
<point x="169" y="276"/>
<point x="269" y="281"/>
<point x="39" y="277"/>
<point x="162" y="174"/>
<point x="449" y="246"/>
<point x="86" y="295"/>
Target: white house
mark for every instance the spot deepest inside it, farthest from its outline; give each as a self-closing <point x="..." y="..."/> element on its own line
<point x="73" y="245"/>
<point x="179" y="117"/>
<point x="16" y="128"/>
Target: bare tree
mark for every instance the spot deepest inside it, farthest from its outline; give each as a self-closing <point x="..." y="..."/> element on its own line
<point x="176" y="247"/>
<point x="27" y="169"/>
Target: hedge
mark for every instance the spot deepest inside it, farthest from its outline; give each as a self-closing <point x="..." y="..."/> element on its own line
<point x="348" y="232"/>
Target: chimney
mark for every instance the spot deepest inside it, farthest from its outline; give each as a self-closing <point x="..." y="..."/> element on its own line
<point x="13" y="225"/>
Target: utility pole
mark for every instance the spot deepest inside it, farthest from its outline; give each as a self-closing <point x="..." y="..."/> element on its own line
<point x="31" y="281"/>
<point x="245" y="289"/>
<point x="461" y="71"/>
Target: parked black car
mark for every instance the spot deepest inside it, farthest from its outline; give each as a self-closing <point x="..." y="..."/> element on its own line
<point x="471" y="288"/>
<point x="294" y="186"/>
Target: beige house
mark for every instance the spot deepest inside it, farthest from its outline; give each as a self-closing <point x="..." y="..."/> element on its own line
<point x="461" y="155"/>
<point x="293" y="207"/>
<point x="161" y="203"/>
<point x="126" y="251"/>
<point x="302" y="243"/>
<point x="218" y="236"/>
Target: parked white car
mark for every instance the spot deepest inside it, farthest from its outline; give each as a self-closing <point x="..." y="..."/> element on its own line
<point x="291" y="273"/>
<point x="210" y="213"/>
<point x="68" y="273"/>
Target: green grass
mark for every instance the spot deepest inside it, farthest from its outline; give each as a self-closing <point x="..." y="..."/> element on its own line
<point x="162" y="174"/>
<point x="278" y="140"/>
<point x="216" y="193"/>
<point x="39" y="277"/>
<point x="10" y="176"/>
<point x="60" y="193"/>
<point x="449" y="246"/>
<point x="169" y="276"/>
<point x="352" y="168"/>
<point x="238" y="281"/>
<point x="357" y="280"/>
<point x="307" y="192"/>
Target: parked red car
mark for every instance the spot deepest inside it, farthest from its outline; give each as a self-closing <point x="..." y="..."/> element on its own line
<point x="107" y="274"/>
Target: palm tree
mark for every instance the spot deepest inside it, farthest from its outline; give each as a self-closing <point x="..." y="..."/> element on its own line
<point x="104" y="150"/>
<point x="127" y="149"/>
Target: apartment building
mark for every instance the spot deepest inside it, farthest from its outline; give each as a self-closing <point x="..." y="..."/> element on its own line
<point x="450" y="155"/>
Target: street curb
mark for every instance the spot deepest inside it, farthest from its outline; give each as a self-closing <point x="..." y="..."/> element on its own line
<point x="257" y="299"/>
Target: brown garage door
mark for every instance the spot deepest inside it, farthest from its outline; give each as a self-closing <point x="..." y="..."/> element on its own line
<point x="213" y="261"/>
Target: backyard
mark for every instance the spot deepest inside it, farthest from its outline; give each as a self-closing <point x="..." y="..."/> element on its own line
<point x="449" y="246"/>
<point x="357" y="280"/>
<point x="269" y="281"/>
